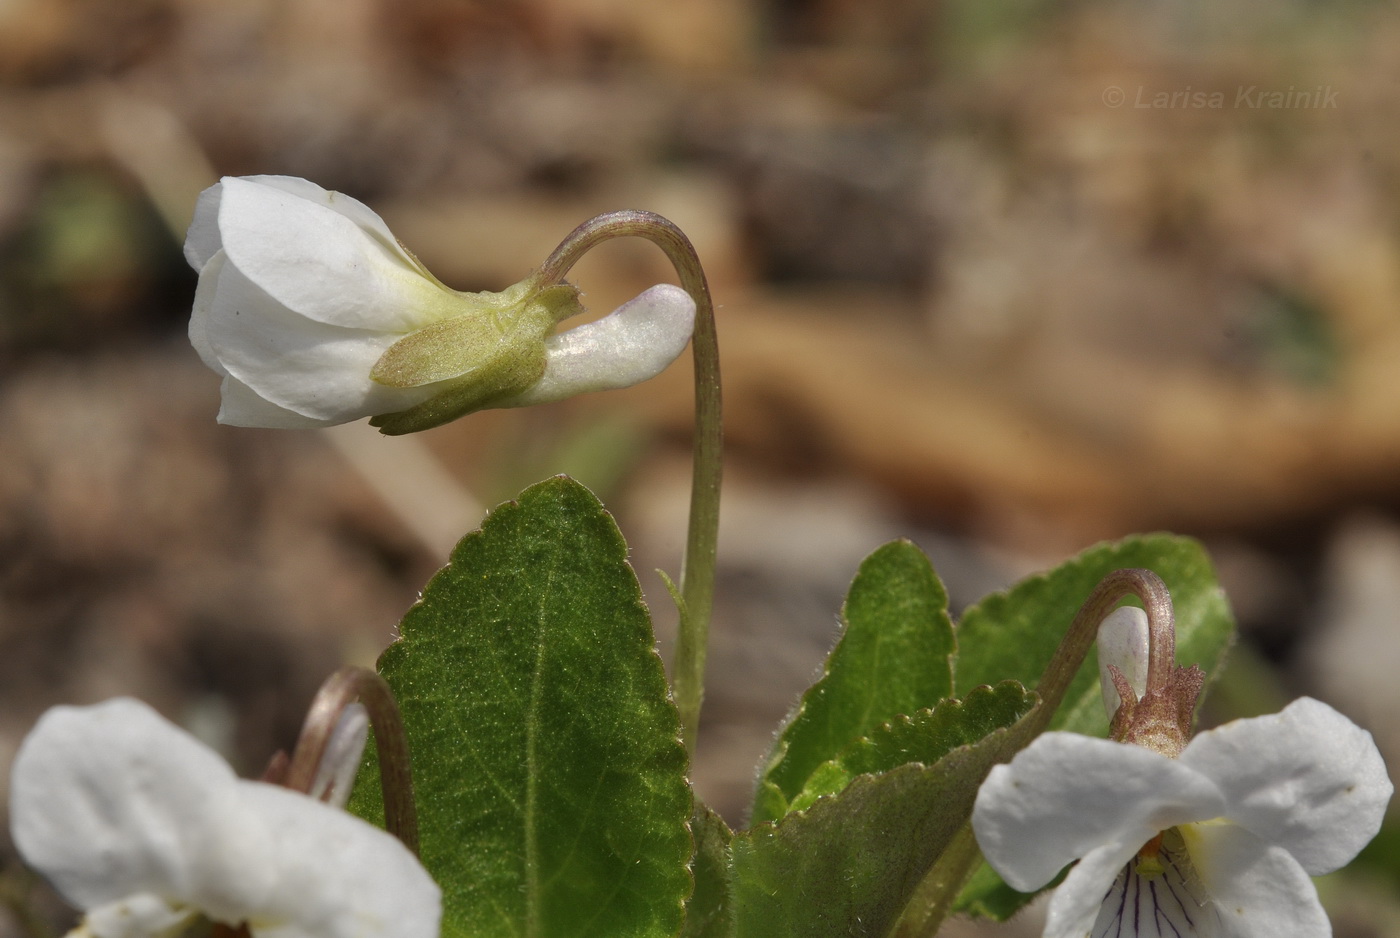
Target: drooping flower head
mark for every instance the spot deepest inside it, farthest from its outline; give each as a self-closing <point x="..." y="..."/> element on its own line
<point x="314" y="314"/>
<point x="1218" y="839"/>
<point x="147" y="830"/>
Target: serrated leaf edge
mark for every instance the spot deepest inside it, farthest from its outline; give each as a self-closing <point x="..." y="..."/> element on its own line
<point x="957" y="704"/>
<point x="780" y="743"/>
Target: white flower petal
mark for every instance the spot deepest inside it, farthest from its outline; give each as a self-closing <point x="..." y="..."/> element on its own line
<point x="1306" y="779"/>
<point x="316" y="370"/>
<point x="1076" y="901"/>
<point x="240" y="406"/>
<point x="1259" y="890"/>
<point x="1170" y="901"/>
<point x="139" y="916"/>
<point x="338" y="877"/>
<point x="134" y="820"/>
<point x="631" y="344"/>
<point x="321" y="264"/>
<point x="205" y="295"/>
<point x="203" y="241"/>
<point x="340" y="203"/>
<point x="1122" y="642"/>
<point x="1065" y="795"/>
<point x="112" y="800"/>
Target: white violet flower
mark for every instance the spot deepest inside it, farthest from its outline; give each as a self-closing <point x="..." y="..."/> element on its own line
<point x="1219" y="841"/>
<point x="147" y="830"/>
<point x="314" y="315"/>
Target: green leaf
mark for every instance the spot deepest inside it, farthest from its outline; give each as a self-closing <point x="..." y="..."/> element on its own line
<point x="925" y="736"/>
<point x="707" y="911"/>
<point x="850" y="863"/>
<point x="1015" y="633"/>
<point x="548" y="768"/>
<point x="893" y="658"/>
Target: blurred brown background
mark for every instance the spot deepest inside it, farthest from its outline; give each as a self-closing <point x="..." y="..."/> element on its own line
<point x="1005" y="278"/>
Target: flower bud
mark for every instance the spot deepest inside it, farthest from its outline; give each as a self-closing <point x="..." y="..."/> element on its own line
<point x="1123" y="644"/>
<point x="314" y="315"/>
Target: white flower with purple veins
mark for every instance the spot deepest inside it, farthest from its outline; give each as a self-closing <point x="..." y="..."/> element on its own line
<point x="149" y="831"/>
<point x="314" y="315"/>
<point x="1219" y="841"/>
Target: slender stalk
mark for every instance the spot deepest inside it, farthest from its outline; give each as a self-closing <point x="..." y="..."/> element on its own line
<point x="940" y="887"/>
<point x="697" y="585"/>
<point x="1074" y="647"/>
<point x="341" y="689"/>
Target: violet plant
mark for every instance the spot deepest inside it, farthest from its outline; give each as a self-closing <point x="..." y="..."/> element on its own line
<point x="537" y="759"/>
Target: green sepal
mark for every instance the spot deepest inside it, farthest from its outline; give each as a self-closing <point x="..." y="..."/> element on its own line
<point x="492" y="351"/>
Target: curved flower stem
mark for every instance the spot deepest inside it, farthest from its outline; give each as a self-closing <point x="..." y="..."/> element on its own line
<point x="940" y="887"/>
<point x="1074" y="647"/>
<point x="697" y="585"/>
<point x="340" y="690"/>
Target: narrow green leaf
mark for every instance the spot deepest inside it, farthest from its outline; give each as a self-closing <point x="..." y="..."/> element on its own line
<point x="547" y="762"/>
<point x="850" y="863"/>
<point x="707" y="911"/>
<point x="892" y="659"/>
<point x="1015" y="633"/>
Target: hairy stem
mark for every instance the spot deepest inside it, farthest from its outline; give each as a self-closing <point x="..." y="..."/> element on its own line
<point x="941" y="885"/>
<point x="697" y="584"/>
<point x="1074" y="647"/>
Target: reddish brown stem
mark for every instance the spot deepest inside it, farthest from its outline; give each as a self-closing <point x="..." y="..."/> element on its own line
<point x="341" y="689"/>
